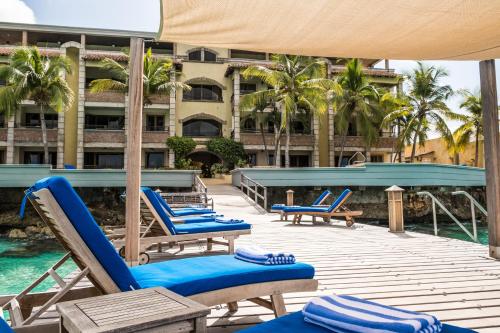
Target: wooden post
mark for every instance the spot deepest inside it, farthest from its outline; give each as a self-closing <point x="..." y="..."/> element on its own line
<point x="134" y="141"/>
<point x="395" y="203"/>
<point x="491" y="152"/>
<point x="289" y="198"/>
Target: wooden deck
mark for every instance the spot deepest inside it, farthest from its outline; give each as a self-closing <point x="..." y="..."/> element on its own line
<point x="452" y="279"/>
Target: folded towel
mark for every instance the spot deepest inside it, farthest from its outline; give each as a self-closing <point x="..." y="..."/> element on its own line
<point x="228" y="221"/>
<point x="257" y="255"/>
<point x="347" y="314"/>
<point x="211" y="215"/>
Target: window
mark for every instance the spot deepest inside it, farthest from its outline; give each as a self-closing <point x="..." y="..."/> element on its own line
<point x="33" y="120"/>
<point x="377" y="158"/>
<point x="103" y="160"/>
<point x="249" y="125"/>
<point x="36" y="157"/>
<point x="241" y="54"/>
<point x="210" y="57"/>
<point x="270" y="159"/>
<point x="252" y="159"/>
<point x="203" y="92"/>
<point x="202" y="55"/>
<point x="104" y="122"/>
<point x="155" y="123"/>
<point x="155" y="160"/>
<point x="201" y="127"/>
<point x="2" y="120"/>
<point x="247" y="88"/>
<point x="2" y="156"/>
<point x="296" y="161"/>
<point x="195" y="55"/>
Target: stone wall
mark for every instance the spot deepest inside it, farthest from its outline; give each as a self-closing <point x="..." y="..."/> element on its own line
<point x="373" y="201"/>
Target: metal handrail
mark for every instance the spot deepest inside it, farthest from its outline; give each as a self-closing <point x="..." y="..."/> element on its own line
<point x="473" y="204"/>
<point x="254" y="189"/>
<point x="436" y="201"/>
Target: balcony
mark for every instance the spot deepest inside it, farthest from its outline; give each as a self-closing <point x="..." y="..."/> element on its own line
<point x="105" y="97"/>
<point x="33" y="136"/>
<point x="158" y="135"/>
<point x="295" y="139"/>
<point x="99" y="136"/>
<point x="3" y="134"/>
<point x="383" y="142"/>
<point x="159" y="99"/>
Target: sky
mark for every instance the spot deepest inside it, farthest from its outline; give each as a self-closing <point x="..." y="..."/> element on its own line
<point x="144" y="15"/>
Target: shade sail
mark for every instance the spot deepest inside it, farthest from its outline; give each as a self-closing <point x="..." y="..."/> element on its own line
<point x="375" y="29"/>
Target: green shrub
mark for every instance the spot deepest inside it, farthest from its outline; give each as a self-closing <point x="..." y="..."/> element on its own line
<point x="218" y="168"/>
<point x="229" y="150"/>
<point x="184" y="164"/>
<point x="181" y="146"/>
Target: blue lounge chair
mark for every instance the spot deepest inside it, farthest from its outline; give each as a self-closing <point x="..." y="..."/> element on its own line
<point x="278" y="208"/>
<point x="294" y="323"/>
<point x="337" y="208"/>
<point x="159" y="228"/>
<point x="183" y="211"/>
<point x="4" y="327"/>
<point x="209" y="280"/>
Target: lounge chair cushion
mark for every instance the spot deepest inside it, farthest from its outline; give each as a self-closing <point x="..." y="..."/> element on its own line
<point x="333" y="207"/>
<point x="196" y="228"/>
<point x="4" y="327"/>
<point x="82" y="220"/>
<point x="294" y="323"/>
<point x="201" y="274"/>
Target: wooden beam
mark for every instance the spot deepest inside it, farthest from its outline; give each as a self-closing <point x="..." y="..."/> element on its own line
<point x="134" y="141"/>
<point x="491" y="152"/>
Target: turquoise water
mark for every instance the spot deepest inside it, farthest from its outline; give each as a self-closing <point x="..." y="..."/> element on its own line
<point x="21" y="262"/>
<point x="445" y="229"/>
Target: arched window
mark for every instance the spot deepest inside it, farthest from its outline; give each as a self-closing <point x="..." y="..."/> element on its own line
<point x="203" y="92"/>
<point x="201" y="127"/>
<point x="249" y="125"/>
<point x="202" y="55"/>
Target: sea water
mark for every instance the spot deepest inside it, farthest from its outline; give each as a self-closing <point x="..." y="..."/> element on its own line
<point x="21" y="262"/>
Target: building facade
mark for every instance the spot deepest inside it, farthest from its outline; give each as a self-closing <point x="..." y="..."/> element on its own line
<point x="92" y="133"/>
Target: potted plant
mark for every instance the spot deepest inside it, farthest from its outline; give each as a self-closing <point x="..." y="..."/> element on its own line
<point x="218" y="170"/>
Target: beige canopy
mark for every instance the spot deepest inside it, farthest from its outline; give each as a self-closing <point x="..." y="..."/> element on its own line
<point x="374" y="29"/>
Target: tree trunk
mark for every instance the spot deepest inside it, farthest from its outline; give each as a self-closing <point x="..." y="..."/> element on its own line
<point x="287" y="145"/>
<point x="342" y="145"/>
<point x="277" y="146"/>
<point x="456" y="159"/>
<point x="44" y="137"/>
<point x="414" y="147"/>
<point x="476" y="153"/>
<point x="261" y="126"/>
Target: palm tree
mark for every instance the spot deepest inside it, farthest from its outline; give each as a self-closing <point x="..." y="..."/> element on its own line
<point x="258" y="115"/>
<point x="295" y="82"/>
<point x="395" y="110"/>
<point x="357" y="103"/>
<point x="472" y="122"/>
<point x="428" y="109"/>
<point x="29" y="75"/>
<point x="156" y="78"/>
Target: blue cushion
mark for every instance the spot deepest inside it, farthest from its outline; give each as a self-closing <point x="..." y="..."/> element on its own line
<point x="333" y="206"/>
<point x="153" y="198"/>
<point x="321" y="197"/>
<point x="294" y="323"/>
<point x="196" y="228"/>
<point x="197" y="275"/>
<point x="195" y="219"/>
<point x="4" y="327"/>
<point x="89" y="231"/>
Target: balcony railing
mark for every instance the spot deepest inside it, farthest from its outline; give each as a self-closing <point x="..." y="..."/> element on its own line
<point x="295" y="139"/>
<point x="105" y="97"/>
<point x="358" y="142"/>
<point x="103" y="136"/>
<point x="33" y="135"/>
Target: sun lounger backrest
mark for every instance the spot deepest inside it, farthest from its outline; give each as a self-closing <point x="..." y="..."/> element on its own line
<point x="91" y="234"/>
<point x="340" y="200"/>
<point x="4" y="327"/>
<point x="322" y="197"/>
<point x="165" y="204"/>
<point x="155" y="200"/>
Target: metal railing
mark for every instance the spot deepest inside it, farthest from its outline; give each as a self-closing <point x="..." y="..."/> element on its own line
<point x="254" y="190"/>
<point x="473" y="205"/>
<point x="435" y="202"/>
<point x="198" y="185"/>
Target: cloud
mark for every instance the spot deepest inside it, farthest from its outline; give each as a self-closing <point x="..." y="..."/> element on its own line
<point x="16" y="11"/>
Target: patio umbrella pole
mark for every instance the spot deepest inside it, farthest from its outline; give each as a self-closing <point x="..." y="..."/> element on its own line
<point x="491" y="152"/>
<point x="134" y="142"/>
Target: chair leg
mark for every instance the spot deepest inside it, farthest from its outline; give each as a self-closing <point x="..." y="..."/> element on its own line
<point x="230" y="244"/>
<point x="209" y="244"/>
<point x="232" y="306"/>
<point x="299" y="219"/>
<point x="278" y="305"/>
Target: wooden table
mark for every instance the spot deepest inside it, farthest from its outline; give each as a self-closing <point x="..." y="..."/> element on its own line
<point x="145" y="310"/>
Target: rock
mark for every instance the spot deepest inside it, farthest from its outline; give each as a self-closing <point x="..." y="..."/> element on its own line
<point x="32" y="230"/>
<point x="17" y="234"/>
<point x="46" y="231"/>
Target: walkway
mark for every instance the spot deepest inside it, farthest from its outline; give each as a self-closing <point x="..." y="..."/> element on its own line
<point x="453" y="279"/>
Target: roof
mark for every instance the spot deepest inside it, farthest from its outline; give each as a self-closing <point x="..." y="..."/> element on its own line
<point x="368" y="29"/>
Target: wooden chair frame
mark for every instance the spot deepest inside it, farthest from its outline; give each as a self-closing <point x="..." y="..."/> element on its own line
<point x="340" y="211"/>
<point x="53" y="215"/>
<point x="155" y="232"/>
<point x="284" y="216"/>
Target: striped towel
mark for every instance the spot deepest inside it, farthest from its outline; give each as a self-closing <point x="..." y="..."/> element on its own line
<point x="347" y="314"/>
<point x="211" y="215"/>
<point x="257" y="255"/>
<point x="228" y="221"/>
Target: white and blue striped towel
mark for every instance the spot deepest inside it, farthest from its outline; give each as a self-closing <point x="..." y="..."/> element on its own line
<point x="347" y="314"/>
<point x="257" y="255"/>
<point x="228" y="221"/>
